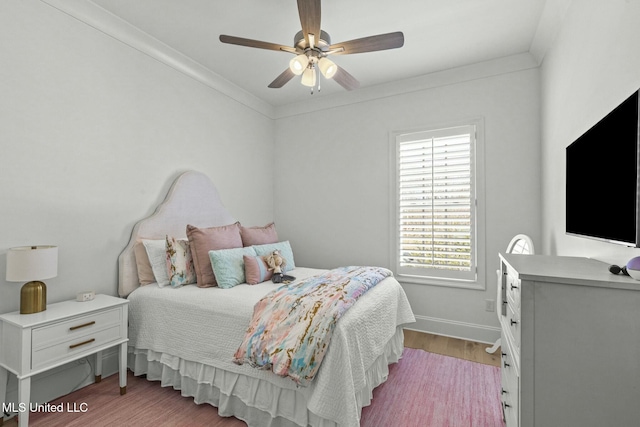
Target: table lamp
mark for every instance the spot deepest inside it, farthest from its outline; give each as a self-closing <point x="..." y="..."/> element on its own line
<point x="32" y="264"/>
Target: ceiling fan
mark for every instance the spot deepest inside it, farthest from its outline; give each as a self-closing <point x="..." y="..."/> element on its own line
<point x="312" y="46"/>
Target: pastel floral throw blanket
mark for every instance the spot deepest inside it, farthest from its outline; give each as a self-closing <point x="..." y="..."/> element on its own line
<point x="292" y="326"/>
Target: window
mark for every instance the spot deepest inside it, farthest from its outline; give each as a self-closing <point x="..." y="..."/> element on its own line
<point x="436" y="207"/>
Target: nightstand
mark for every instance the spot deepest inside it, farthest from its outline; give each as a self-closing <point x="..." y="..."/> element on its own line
<point x="65" y="331"/>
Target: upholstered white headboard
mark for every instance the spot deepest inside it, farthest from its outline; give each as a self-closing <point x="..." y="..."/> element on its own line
<point x="192" y="199"/>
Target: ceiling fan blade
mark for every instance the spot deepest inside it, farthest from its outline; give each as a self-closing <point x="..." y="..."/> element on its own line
<point x="255" y="43"/>
<point x="282" y="79"/>
<point x="309" y="11"/>
<point x="345" y="79"/>
<point x="369" y="44"/>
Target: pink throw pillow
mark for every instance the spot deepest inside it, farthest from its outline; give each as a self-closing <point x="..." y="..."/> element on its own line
<point x="256" y="269"/>
<point x="203" y="240"/>
<point x="145" y="274"/>
<point x="259" y="235"/>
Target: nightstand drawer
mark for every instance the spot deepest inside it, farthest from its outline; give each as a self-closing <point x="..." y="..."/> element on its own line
<point x="77" y="327"/>
<point x="66" y="331"/>
<point x="44" y="356"/>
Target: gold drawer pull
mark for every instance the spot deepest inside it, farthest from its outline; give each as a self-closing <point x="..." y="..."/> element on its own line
<point x="82" y="343"/>
<point x="73" y="328"/>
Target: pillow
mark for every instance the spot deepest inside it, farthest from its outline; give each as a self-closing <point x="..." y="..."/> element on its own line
<point x="145" y="273"/>
<point x="203" y="240"/>
<point x="256" y="270"/>
<point x="285" y="252"/>
<point x="228" y="265"/>
<point x="259" y="235"/>
<point x="157" y="253"/>
<point x="179" y="262"/>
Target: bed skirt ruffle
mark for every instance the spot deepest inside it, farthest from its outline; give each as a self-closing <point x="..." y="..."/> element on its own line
<point x="257" y="402"/>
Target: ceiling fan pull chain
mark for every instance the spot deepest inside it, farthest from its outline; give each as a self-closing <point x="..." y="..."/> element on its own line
<point x="317" y="77"/>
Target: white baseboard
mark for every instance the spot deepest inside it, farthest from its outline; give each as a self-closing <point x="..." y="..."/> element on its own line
<point x="64" y="379"/>
<point x="455" y="329"/>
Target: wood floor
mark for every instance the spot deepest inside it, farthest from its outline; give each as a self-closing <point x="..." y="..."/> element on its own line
<point x="454" y="347"/>
<point x="462" y="349"/>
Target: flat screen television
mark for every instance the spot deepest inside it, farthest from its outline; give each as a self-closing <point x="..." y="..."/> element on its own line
<point x="603" y="180"/>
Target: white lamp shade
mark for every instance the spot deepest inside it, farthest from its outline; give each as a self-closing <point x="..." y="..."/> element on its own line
<point x="299" y="64"/>
<point x="309" y="77"/>
<point x="27" y="263"/>
<point x="327" y="67"/>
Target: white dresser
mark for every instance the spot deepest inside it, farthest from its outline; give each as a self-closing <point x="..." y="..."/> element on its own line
<point x="570" y="343"/>
<point x="65" y="331"/>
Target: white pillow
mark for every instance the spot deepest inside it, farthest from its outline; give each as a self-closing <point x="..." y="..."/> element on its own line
<point x="157" y="253"/>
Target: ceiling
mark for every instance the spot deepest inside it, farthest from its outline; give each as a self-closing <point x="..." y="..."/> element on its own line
<point x="439" y="35"/>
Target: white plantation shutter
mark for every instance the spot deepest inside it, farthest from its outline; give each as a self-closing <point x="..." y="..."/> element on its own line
<point x="436" y="203"/>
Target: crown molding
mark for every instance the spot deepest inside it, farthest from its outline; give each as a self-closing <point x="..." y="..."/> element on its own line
<point x="104" y="21"/>
<point x="496" y="67"/>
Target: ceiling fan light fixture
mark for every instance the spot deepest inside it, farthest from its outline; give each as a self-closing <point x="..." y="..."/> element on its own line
<point x="311" y="46"/>
<point x="327" y="67"/>
<point x="299" y="64"/>
<point x="309" y="77"/>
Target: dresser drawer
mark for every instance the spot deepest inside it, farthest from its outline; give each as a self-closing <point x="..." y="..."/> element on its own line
<point x="513" y="323"/>
<point x="75" y="327"/>
<point x="510" y="384"/>
<point x="48" y="355"/>
<point x="513" y="291"/>
<point x="510" y="397"/>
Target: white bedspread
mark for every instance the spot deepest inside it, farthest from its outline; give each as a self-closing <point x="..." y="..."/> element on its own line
<point x="207" y="326"/>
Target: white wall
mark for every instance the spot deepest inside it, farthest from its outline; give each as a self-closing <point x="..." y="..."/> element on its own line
<point x="593" y="65"/>
<point x="332" y="188"/>
<point x="92" y="133"/>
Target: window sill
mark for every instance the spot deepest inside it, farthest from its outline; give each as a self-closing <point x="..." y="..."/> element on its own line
<point x="433" y="281"/>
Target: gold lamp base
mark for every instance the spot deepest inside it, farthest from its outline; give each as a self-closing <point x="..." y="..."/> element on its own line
<point x="33" y="297"/>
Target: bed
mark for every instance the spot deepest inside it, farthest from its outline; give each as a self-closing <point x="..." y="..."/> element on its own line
<point x="186" y="336"/>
